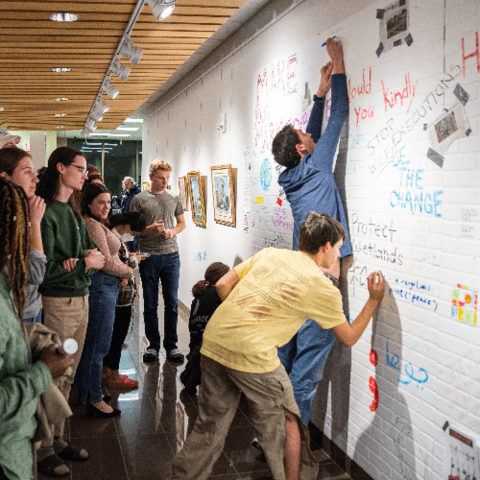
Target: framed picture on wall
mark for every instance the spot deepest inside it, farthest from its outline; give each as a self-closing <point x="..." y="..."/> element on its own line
<point x="197" y="198"/>
<point x="223" y="189"/>
<point x="183" y="191"/>
<point x="145" y="185"/>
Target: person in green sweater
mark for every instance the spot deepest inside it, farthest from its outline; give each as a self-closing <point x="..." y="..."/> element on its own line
<point x="21" y="381"/>
<point x="72" y="258"/>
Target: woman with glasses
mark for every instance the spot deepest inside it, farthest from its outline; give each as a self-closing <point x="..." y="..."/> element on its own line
<point x="71" y="260"/>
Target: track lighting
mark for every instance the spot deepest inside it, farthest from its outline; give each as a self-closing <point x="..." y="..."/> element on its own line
<point x="110" y="90"/>
<point x="90" y="124"/>
<point x="121" y="71"/>
<point x="130" y="52"/>
<point x="161" y="9"/>
<point x="100" y="106"/>
<point x="86" y="133"/>
<point x="97" y="116"/>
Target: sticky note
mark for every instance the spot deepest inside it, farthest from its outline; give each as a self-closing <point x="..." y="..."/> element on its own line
<point x="260" y="199"/>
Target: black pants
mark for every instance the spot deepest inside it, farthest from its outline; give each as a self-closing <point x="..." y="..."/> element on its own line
<point x="2" y="474"/>
<point x="120" y="330"/>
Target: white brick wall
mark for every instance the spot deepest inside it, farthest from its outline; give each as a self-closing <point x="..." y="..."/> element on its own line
<point x="429" y="374"/>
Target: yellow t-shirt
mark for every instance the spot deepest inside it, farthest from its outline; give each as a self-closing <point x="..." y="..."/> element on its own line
<point x="278" y="291"/>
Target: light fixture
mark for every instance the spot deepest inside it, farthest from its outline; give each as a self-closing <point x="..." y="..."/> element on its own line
<point x="161" y="9"/>
<point x="60" y="114"/>
<point x="86" y="133"/>
<point x="60" y="126"/>
<point x="121" y="71"/>
<point x="61" y="99"/>
<point x="134" y="120"/>
<point x="130" y="52"/>
<point x="61" y="69"/>
<point x="90" y="124"/>
<point x="101" y="106"/>
<point x="110" y="90"/>
<point x="127" y="129"/>
<point x="64" y="17"/>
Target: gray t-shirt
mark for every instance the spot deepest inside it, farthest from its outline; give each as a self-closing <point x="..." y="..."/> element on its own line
<point x="36" y="271"/>
<point x="153" y="207"/>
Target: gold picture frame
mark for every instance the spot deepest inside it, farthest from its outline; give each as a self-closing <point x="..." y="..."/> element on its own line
<point x="183" y="192"/>
<point x="197" y="198"/>
<point x="145" y="185"/>
<point x="223" y="190"/>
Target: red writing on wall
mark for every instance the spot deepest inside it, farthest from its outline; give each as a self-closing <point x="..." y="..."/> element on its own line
<point x="392" y="98"/>
<point x="363" y="89"/>
<point x="372" y="383"/>
<point x="363" y="113"/>
<point x="475" y="54"/>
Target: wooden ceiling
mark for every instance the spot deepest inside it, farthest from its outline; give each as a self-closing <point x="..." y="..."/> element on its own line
<point x="31" y="45"/>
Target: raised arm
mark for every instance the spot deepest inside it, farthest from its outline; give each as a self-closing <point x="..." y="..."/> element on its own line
<point x="350" y="334"/>
<point x="225" y="285"/>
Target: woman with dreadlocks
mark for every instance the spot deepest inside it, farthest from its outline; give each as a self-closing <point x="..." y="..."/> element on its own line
<point x="21" y="381"/>
<point x="16" y="166"/>
<point x="71" y="261"/>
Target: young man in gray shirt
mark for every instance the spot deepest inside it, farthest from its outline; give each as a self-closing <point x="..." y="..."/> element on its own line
<point x="164" y="215"/>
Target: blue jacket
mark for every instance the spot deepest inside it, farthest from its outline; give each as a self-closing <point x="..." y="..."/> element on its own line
<point x="131" y="192"/>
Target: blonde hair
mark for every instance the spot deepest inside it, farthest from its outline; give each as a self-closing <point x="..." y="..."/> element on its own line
<point x="159" y="165"/>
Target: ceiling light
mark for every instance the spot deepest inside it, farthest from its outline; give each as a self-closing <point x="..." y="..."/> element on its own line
<point x="126" y="129"/>
<point x="121" y="71"/>
<point x="130" y="52"/>
<point x="86" y="133"/>
<point x="134" y="120"/>
<point x="101" y="106"/>
<point x="110" y="135"/>
<point x="64" y="17"/>
<point x="61" y="69"/>
<point x="161" y="9"/>
<point x="61" y="99"/>
<point x="60" y="114"/>
<point x="97" y="116"/>
<point x="90" y="124"/>
<point x="110" y="90"/>
<point x="60" y="126"/>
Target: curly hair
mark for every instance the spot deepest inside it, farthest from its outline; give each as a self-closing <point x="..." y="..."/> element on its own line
<point x="159" y="165"/>
<point x="49" y="183"/>
<point x="212" y="275"/>
<point x="14" y="240"/>
<point x="283" y="147"/>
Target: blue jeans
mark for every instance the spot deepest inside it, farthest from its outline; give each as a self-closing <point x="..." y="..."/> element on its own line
<point x="304" y="359"/>
<point x="166" y="269"/>
<point x="103" y="290"/>
<point x="133" y="245"/>
<point x="36" y="319"/>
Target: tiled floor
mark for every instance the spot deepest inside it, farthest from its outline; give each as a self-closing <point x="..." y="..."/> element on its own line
<point x="155" y="419"/>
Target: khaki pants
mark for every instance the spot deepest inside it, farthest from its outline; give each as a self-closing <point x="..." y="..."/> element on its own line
<point x="68" y="317"/>
<point x="268" y="396"/>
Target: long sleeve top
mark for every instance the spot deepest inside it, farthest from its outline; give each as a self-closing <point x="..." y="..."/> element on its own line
<point x="310" y="185"/>
<point x="109" y="245"/>
<point x="21" y="383"/>
<point x="36" y="271"/>
<point x="64" y="236"/>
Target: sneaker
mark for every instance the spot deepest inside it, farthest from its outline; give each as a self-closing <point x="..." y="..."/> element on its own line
<point x="150" y="355"/>
<point x="174" y="355"/>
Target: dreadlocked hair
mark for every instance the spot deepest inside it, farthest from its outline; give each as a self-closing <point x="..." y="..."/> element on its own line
<point x="14" y="240"/>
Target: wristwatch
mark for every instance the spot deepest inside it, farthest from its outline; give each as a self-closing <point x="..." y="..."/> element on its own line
<point x="318" y="99"/>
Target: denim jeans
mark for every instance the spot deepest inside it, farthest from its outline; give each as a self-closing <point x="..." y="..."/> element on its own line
<point x="36" y="319"/>
<point x="104" y="290"/>
<point x="304" y="359"/>
<point x="166" y="269"/>
<point x="133" y="245"/>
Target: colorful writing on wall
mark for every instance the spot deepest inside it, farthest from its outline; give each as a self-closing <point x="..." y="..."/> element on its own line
<point x="464" y="304"/>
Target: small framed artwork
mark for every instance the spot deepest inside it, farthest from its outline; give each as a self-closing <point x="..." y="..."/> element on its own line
<point x="145" y="185"/>
<point x="197" y="198"/>
<point x="183" y="191"/>
<point x="223" y="189"/>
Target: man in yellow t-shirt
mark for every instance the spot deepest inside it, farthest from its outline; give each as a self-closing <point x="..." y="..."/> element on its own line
<point x="266" y="300"/>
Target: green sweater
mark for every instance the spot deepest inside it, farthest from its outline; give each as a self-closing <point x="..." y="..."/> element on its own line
<point x="64" y="236"/>
<point x="21" y="383"/>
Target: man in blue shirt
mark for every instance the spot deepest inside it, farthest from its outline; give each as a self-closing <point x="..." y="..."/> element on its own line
<point x="309" y="185"/>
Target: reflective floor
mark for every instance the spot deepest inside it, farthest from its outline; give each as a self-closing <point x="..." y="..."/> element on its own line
<point x="155" y="420"/>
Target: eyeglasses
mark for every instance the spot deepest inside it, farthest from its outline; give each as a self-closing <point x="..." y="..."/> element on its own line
<point x="83" y="170"/>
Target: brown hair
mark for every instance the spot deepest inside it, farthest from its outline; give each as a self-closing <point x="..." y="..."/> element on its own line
<point x="317" y="230"/>
<point x="212" y="275"/>
<point x="89" y="195"/>
<point x="14" y="240"/>
<point x="159" y="165"/>
<point x="10" y="158"/>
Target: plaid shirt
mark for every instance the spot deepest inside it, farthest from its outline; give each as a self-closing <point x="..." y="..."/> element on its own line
<point x="128" y="293"/>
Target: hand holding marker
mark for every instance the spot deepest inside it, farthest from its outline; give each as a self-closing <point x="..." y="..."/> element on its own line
<point x="324" y="43"/>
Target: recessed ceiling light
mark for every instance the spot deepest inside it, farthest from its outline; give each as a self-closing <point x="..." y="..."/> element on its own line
<point x="61" y="69"/>
<point x="60" y="126"/>
<point x="61" y="99"/>
<point x="60" y="114"/>
<point x="127" y="129"/>
<point x="64" y="17"/>
<point x="134" y="120"/>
